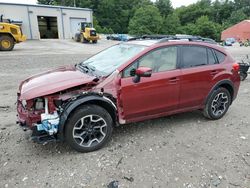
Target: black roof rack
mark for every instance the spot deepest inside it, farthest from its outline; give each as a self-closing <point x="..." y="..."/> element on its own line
<point x="167" y="38"/>
<point x="150" y="37"/>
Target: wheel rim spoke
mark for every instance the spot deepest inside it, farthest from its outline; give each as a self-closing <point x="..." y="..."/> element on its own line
<point x="90" y="130"/>
<point x="219" y="104"/>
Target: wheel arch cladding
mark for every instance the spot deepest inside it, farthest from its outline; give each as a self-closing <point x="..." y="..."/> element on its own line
<point x="227" y="84"/>
<point x="73" y="105"/>
<point x="229" y="88"/>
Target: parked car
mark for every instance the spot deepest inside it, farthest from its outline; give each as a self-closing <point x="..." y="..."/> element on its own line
<point x="228" y="43"/>
<point x="128" y="82"/>
<point x="119" y="37"/>
<point x="231" y="40"/>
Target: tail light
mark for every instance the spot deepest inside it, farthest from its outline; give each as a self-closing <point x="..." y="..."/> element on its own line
<point x="236" y="67"/>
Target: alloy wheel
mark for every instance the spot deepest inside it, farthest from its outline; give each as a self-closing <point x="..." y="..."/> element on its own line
<point x="90" y="130"/>
<point x="219" y="104"/>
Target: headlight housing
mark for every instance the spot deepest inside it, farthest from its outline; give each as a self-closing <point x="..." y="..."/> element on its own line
<point x="24" y="103"/>
<point x="39" y="104"/>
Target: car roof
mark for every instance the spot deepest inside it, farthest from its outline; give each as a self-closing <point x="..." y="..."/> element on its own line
<point x="204" y="44"/>
<point x="157" y="43"/>
<point x="143" y="42"/>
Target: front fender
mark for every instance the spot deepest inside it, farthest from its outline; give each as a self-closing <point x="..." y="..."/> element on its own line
<point x="73" y="104"/>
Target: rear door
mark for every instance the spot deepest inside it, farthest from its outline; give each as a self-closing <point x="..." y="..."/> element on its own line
<point x="199" y="67"/>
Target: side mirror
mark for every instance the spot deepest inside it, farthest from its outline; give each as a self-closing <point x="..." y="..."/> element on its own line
<point x="142" y="72"/>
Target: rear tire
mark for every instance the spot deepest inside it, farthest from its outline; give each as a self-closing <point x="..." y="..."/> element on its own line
<point x="6" y="43"/>
<point x="217" y="104"/>
<point x="77" y="37"/>
<point x="94" y="41"/>
<point x="89" y="128"/>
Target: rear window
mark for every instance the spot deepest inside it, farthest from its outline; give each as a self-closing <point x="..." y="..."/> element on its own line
<point x="193" y="56"/>
<point x="220" y="56"/>
<point x="211" y="57"/>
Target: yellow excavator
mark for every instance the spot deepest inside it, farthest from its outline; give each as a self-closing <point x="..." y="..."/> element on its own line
<point x="10" y="34"/>
<point x="87" y="33"/>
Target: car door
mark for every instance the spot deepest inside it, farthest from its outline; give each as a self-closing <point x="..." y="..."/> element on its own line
<point x="198" y="68"/>
<point x="156" y="94"/>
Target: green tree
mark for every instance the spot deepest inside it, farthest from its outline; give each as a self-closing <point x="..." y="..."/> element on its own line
<point x="147" y="20"/>
<point x="221" y="10"/>
<point x="171" y="25"/>
<point x="46" y="2"/>
<point x="188" y="14"/>
<point x="165" y="7"/>
<point x="136" y="17"/>
<point x="116" y="14"/>
<point x="207" y="28"/>
<point x="189" y="29"/>
<point x="236" y="17"/>
<point x="244" y="5"/>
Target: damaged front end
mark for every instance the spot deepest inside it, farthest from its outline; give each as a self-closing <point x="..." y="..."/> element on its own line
<point x="47" y="115"/>
<point x="40" y="115"/>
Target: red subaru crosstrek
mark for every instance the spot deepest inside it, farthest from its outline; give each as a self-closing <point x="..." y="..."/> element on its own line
<point x="128" y="82"/>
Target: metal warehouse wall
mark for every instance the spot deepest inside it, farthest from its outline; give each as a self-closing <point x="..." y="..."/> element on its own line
<point x="28" y="15"/>
<point x="240" y="31"/>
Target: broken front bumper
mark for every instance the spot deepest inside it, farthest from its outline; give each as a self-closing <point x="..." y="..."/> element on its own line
<point x="28" y="120"/>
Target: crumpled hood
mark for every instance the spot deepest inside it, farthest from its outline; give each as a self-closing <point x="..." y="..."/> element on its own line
<point x="52" y="81"/>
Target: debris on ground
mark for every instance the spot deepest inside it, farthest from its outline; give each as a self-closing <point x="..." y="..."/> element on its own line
<point x="113" y="184"/>
<point x="119" y="162"/>
<point x="4" y="108"/>
<point x="243" y="137"/>
<point x="131" y="179"/>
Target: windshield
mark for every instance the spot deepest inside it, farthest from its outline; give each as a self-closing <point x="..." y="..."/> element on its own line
<point x="107" y="61"/>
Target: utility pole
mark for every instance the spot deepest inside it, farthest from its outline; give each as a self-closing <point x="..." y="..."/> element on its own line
<point x="74" y="3"/>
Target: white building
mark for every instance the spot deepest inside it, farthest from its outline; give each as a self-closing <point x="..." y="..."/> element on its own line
<point x="45" y="21"/>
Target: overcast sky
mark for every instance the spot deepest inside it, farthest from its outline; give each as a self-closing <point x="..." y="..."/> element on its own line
<point x="176" y="3"/>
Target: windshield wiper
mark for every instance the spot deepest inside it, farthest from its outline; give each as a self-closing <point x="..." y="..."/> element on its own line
<point x="86" y="68"/>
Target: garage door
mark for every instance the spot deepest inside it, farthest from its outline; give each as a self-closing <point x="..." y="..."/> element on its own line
<point x="75" y="25"/>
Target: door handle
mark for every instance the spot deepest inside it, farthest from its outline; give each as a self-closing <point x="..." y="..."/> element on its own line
<point x="173" y="80"/>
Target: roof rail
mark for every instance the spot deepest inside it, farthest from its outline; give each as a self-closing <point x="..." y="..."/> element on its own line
<point x="168" y="38"/>
<point x="150" y="37"/>
<point x="188" y="38"/>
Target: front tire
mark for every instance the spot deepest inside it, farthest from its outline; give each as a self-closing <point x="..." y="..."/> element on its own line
<point x="217" y="104"/>
<point x="6" y="43"/>
<point x="83" y="39"/>
<point x="89" y="128"/>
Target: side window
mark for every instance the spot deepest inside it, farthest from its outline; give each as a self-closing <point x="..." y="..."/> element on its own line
<point x="193" y="56"/>
<point x="148" y="59"/>
<point x="220" y="56"/>
<point x="128" y="71"/>
<point x="211" y="58"/>
<point x="160" y="60"/>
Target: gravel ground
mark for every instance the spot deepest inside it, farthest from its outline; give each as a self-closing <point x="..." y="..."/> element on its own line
<point x="184" y="150"/>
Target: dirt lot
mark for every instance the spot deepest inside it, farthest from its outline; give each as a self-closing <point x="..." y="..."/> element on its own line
<point x="184" y="150"/>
